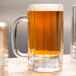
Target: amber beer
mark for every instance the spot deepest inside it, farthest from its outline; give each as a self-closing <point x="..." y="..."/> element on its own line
<point x="45" y="32"/>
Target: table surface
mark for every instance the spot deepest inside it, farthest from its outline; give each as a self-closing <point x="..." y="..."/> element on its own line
<point x="18" y="67"/>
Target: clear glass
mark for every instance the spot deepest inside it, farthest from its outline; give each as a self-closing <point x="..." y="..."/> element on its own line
<point x="45" y="39"/>
<point x="3" y="28"/>
<point x="1" y="54"/>
<point x="73" y="48"/>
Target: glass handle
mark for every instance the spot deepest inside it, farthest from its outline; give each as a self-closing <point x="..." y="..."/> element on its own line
<point x="14" y="37"/>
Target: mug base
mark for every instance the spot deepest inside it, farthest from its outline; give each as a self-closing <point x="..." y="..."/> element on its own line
<point x="46" y="63"/>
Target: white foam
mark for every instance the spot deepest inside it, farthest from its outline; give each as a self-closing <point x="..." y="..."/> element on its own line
<point x="45" y="7"/>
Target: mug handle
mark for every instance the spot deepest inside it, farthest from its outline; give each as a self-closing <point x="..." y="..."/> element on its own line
<point x="14" y="36"/>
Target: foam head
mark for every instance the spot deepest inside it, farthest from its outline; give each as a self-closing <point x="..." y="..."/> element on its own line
<point x="45" y="7"/>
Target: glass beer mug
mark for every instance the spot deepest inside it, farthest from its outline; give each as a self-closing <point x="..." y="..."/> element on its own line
<point x="73" y="46"/>
<point x="45" y="39"/>
<point x="5" y="32"/>
<point x="2" y="47"/>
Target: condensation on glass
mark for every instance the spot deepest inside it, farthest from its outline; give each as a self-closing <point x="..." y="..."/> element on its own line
<point x="73" y="49"/>
<point x="3" y="43"/>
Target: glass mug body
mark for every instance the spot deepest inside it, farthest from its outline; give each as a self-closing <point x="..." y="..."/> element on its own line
<point x="4" y="28"/>
<point x="73" y="45"/>
<point x="3" y="46"/>
<point x="45" y="39"/>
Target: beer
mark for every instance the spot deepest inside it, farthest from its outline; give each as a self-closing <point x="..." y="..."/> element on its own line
<point x="45" y="32"/>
